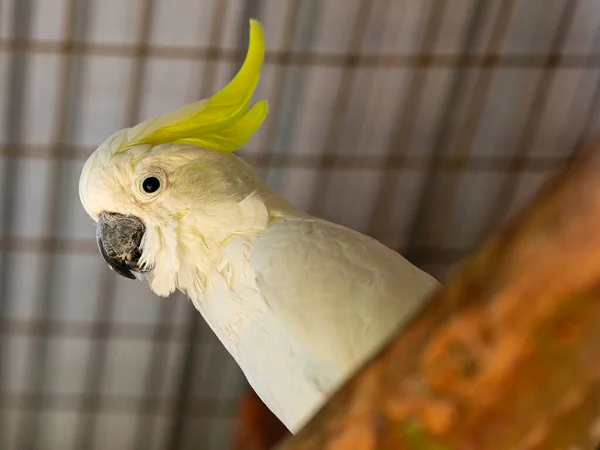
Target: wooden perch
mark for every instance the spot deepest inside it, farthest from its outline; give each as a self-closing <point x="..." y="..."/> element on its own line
<point x="257" y="428"/>
<point x="505" y="357"/>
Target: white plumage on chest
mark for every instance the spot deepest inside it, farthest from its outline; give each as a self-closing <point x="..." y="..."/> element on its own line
<point x="303" y="304"/>
<point x="279" y="369"/>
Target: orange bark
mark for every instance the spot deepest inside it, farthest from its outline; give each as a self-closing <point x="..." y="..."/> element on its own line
<point x="505" y="356"/>
<point x="257" y="427"/>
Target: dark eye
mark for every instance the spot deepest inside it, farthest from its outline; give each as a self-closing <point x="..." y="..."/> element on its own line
<point x="151" y="185"/>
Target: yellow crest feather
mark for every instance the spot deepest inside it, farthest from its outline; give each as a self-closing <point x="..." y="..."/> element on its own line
<point x="223" y="122"/>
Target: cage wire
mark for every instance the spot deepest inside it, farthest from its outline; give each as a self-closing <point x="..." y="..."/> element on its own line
<point x="423" y="123"/>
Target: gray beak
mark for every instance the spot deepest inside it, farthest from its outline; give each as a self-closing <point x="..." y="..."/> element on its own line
<point x="119" y="238"/>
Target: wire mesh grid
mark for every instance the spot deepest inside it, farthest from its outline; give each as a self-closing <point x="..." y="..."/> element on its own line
<point x="426" y="124"/>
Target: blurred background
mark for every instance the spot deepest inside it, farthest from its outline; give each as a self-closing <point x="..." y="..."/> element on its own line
<point x="424" y="123"/>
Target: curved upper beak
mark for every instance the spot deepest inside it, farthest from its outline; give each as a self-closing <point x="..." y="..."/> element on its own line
<point x="119" y="238"/>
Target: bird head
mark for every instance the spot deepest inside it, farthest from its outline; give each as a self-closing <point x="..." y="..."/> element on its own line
<point x="155" y="187"/>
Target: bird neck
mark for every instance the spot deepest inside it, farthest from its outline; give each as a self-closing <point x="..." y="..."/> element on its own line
<point x="194" y="245"/>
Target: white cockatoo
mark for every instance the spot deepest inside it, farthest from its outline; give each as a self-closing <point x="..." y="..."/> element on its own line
<point x="299" y="302"/>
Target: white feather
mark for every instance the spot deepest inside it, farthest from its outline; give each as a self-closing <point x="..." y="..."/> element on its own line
<point x="298" y="302"/>
<point x="301" y="306"/>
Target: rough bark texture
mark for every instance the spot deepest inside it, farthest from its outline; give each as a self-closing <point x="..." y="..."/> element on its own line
<point x="505" y="356"/>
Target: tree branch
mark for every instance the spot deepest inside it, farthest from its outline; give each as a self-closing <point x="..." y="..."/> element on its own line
<point x="505" y="356"/>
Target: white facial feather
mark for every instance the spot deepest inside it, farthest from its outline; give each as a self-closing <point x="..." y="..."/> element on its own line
<point x="206" y="198"/>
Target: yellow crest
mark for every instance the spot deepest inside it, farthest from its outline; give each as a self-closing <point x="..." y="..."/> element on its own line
<point x="223" y="122"/>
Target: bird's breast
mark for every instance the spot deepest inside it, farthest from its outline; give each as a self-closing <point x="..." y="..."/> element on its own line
<point x="279" y="369"/>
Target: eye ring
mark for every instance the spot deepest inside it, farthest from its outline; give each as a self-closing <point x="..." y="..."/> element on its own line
<point x="151" y="184"/>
